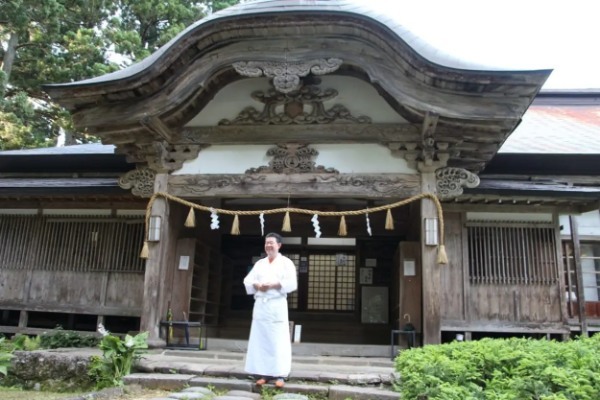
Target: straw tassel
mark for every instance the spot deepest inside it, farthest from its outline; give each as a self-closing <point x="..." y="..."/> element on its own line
<point x="342" y="230"/>
<point x="442" y="257"/>
<point x="235" y="227"/>
<point x="389" y="221"/>
<point x="145" y="251"/>
<point x="287" y="226"/>
<point x="190" y="221"/>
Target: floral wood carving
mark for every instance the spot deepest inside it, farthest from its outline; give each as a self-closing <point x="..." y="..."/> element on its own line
<point x="140" y="181"/>
<point x="286" y="75"/>
<point x="302" y="107"/>
<point x="450" y="181"/>
<point x="160" y="155"/>
<point x="291" y="158"/>
<point x="267" y="184"/>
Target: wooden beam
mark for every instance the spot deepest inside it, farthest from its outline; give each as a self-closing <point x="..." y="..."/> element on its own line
<point x="310" y="184"/>
<point x="329" y="133"/>
<point x="503" y="326"/>
<point x="27" y="307"/>
<point x="429" y="124"/>
<point x="155" y="125"/>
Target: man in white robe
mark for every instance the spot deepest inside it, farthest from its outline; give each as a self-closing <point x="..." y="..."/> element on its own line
<point x="269" y="353"/>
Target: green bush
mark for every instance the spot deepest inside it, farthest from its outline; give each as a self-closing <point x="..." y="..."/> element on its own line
<point x="5" y="357"/>
<point x="118" y="357"/>
<point x="59" y="338"/>
<point x="25" y="343"/>
<point x="502" y="369"/>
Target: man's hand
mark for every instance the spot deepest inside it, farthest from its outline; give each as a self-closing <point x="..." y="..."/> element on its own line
<point x="263" y="287"/>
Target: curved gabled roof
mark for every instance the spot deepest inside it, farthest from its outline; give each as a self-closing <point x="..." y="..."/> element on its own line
<point x="175" y="83"/>
<point x="265" y="7"/>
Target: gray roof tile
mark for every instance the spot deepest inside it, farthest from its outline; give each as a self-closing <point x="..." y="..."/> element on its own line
<point x="557" y="130"/>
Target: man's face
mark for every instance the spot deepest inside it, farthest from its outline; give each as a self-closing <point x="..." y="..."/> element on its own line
<point x="272" y="247"/>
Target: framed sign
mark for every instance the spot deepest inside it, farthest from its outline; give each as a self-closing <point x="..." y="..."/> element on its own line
<point x="374" y="301"/>
<point x="366" y="276"/>
<point x="410" y="268"/>
<point x="341" y="259"/>
<point x="370" y="262"/>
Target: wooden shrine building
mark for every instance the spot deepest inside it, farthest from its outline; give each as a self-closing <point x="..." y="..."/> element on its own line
<point x="324" y="106"/>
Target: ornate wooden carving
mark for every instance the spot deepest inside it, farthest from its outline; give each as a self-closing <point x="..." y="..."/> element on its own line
<point x="161" y="156"/>
<point x="286" y="75"/>
<point x="331" y="133"/>
<point x="140" y="181"/>
<point x="431" y="151"/>
<point x="450" y="182"/>
<point x="303" y="106"/>
<point x="291" y="158"/>
<point x="266" y="185"/>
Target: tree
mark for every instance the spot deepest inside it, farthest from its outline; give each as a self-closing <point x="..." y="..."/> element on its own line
<point x="50" y="41"/>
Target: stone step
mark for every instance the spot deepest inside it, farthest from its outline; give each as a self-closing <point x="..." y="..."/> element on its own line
<point x="324" y="373"/>
<point x="334" y="390"/>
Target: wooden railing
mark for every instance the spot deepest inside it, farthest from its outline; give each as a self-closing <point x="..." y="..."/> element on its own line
<point x="69" y="243"/>
<point x="512" y="253"/>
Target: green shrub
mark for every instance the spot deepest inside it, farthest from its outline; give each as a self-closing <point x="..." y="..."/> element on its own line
<point x="25" y="343"/>
<point x="118" y="356"/>
<point x="59" y="338"/>
<point x="5" y="358"/>
<point x="502" y="369"/>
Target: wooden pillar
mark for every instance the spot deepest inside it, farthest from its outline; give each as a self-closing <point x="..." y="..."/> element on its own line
<point x="156" y="269"/>
<point x="431" y="269"/>
<point x="563" y="288"/>
<point x="578" y="274"/>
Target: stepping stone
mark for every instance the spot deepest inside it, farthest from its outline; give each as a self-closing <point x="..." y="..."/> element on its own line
<point x="243" y="394"/>
<point x="290" y="396"/>
<point x="190" y="396"/>
<point x="198" y="389"/>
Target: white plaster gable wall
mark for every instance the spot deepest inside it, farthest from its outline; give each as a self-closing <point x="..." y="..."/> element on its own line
<point x="588" y="224"/>
<point x="356" y="95"/>
<point x="346" y="158"/>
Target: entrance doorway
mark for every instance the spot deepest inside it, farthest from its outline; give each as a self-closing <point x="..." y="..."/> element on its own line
<point x="346" y="287"/>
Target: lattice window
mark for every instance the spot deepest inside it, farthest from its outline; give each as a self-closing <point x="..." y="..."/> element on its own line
<point x="331" y="287"/>
<point x="71" y="243"/>
<point x="512" y="253"/>
<point x="590" y="269"/>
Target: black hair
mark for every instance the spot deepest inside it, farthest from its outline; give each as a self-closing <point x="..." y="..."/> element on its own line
<point x="277" y="236"/>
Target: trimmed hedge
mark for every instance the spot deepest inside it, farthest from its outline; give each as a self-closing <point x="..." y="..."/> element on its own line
<point x="502" y="369"/>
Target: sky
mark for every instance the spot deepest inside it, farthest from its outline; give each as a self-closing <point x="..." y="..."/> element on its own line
<point x="520" y="34"/>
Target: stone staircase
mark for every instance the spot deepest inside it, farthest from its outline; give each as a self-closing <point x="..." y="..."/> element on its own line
<point x="326" y="377"/>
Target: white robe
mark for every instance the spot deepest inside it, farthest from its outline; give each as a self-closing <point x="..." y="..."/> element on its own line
<point x="269" y="347"/>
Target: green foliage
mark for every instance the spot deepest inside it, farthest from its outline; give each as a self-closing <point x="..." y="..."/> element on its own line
<point x="495" y="369"/>
<point x="5" y="358"/>
<point x="58" y="338"/>
<point x="25" y="343"/>
<point x="118" y="356"/>
<point x="54" y="41"/>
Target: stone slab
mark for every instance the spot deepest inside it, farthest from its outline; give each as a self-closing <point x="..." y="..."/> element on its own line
<point x="159" y="381"/>
<point x="222" y="383"/>
<point x="343" y="392"/>
<point x="242" y="393"/>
